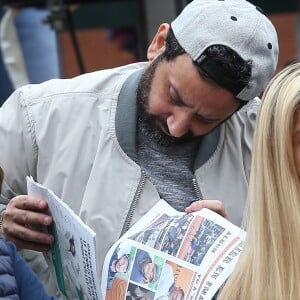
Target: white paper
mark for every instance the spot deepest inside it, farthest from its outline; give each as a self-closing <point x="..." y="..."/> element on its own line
<point x="72" y="256"/>
<point x="193" y="254"/>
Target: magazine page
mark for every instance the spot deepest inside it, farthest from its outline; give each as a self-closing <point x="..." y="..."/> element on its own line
<point x="172" y="255"/>
<point x="72" y="254"/>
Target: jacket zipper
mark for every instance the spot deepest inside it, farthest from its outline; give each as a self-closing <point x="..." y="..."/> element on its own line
<point x="137" y="196"/>
<point x="197" y="189"/>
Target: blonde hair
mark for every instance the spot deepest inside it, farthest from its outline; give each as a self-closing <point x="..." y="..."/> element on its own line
<point x="269" y="267"/>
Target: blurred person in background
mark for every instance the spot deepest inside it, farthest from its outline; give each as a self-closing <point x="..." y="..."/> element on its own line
<point x="29" y="48"/>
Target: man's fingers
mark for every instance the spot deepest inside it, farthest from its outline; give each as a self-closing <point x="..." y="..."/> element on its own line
<point x="26" y="217"/>
<point x="26" y="210"/>
<point x="25" y="221"/>
<point x="20" y="244"/>
<point x="214" y="205"/>
<point x="27" y="234"/>
<point x="25" y="202"/>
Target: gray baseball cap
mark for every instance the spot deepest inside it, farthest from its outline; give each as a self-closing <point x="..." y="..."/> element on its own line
<point x="237" y="24"/>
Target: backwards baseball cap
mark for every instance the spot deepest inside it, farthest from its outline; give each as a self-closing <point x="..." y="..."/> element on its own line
<point x="237" y="24"/>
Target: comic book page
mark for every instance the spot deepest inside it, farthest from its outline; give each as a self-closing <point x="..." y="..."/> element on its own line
<point x="172" y="255"/>
<point x="72" y="256"/>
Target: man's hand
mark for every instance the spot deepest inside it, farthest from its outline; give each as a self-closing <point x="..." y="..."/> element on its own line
<point x="215" y="205"/>
<point x="25" y="221"/>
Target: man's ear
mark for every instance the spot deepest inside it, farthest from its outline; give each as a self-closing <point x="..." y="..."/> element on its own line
<point x="157" y="45"/>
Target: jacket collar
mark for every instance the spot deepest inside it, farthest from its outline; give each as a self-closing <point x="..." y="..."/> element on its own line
<point x="126" y="115"/>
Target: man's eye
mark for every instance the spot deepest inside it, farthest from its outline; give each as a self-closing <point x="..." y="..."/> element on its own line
<point x="176" y="101"/>
<point x="204" y="120"/>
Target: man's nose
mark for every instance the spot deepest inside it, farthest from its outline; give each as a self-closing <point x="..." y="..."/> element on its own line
<point x="179" y="123"/>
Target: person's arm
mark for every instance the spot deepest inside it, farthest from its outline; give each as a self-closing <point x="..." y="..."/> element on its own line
<point x="245" y="120"/>
<point x="18" y="158"/>
<point x="29" y="286"/>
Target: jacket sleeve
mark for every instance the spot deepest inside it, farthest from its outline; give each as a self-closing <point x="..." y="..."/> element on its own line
<point x="241" y="128"/>
<point x="18" y="147"/>
<point x="248" y="121"/>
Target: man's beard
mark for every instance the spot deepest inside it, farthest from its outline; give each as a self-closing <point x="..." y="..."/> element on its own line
<point x="156" y="125"/>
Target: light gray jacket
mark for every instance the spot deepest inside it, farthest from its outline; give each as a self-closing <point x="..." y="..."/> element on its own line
<point x="77" y="137"/>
